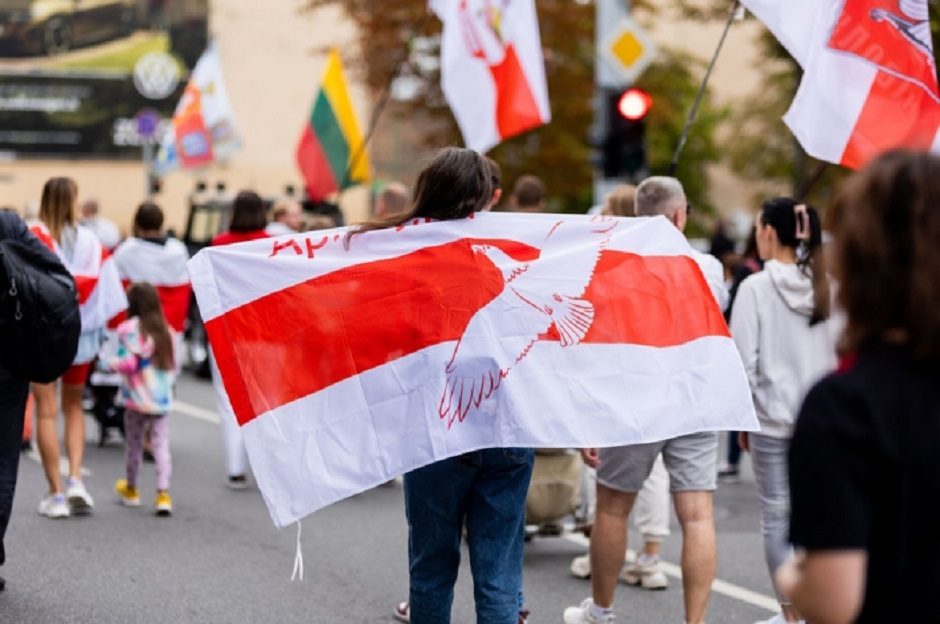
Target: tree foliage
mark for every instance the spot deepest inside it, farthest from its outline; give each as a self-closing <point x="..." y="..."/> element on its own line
<point x="559" y="152"/>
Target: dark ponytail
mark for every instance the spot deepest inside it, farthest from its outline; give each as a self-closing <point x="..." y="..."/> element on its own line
<point x="798" y="226"/>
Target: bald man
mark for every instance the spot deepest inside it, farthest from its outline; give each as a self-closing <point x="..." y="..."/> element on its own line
<point x="392" y="200"/>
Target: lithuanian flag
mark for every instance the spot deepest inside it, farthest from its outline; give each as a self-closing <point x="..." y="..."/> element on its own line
<point x="330" y="155"/>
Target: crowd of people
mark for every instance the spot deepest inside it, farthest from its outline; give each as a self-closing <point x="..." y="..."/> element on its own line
<point x="838" y="331"/>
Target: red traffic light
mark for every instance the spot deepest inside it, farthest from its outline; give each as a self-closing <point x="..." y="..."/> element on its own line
<point x="634" y="104"/>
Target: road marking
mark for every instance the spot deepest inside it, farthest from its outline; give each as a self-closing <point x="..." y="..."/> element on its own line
<point x="33" y="454"/>
<point x="725" y="588"/>
<point x="195" y="411"/>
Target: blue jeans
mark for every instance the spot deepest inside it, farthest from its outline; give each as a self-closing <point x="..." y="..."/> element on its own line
<point x="487" y="491"/>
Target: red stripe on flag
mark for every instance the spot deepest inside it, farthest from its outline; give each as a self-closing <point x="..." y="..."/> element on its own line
<point x="516" y="110"/>
<point x="897" y="113"/>
<point x="297" y="341"/>
<point x="315" y="166"/>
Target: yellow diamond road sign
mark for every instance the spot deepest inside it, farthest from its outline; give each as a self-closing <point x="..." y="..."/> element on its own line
<point x="628" y="50"/>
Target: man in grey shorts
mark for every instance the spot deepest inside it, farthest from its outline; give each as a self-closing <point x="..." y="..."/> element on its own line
<point x="690" y="461"/>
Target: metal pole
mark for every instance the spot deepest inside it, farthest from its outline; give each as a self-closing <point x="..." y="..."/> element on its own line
<point x="383" y="100"/>
<point x="148" y="165"/>
<point x="701" y="90"/>
<point x="608" y="14"/>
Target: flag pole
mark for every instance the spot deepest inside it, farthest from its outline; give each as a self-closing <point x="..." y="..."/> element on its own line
<point x="382" y="101"/>
<point x="693" y="112"/>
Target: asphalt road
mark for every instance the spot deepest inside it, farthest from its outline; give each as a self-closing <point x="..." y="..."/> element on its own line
<point x="220" y="559"/>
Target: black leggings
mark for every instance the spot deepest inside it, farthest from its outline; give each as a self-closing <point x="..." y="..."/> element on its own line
<point x="13" y="393"/>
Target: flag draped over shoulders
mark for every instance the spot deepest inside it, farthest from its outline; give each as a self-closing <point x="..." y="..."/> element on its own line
<point x="347" y="367"/>
<point x="100" y="293"/>
<point x="869" y="76"/>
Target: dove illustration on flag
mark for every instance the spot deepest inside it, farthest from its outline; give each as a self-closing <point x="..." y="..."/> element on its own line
<point x="436" y="338"/>
<point x="492" y="70"/>
<point x="870" y="78"/>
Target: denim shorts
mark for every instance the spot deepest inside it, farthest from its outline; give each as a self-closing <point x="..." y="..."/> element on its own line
<point x="691" y="461"/>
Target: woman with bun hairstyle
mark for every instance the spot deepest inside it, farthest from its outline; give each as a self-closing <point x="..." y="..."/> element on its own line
<point x="782" y="328"/>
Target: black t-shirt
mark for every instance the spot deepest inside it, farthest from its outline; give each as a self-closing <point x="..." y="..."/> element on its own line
<point x="865" y="474"/>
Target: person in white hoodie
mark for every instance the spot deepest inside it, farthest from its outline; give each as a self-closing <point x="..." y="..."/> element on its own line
<point x="781" y="325"/>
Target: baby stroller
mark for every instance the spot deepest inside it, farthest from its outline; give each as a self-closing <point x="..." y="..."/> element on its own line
<point x="103" y="388"/>
<point x="554" y="504"/>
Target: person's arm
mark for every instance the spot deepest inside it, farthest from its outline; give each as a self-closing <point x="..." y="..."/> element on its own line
<point x="825" y="586"/>
<point x="745" y="330"/>
<point x="831" y="458"/>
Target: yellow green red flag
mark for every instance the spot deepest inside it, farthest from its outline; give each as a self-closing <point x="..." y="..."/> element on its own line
<point x="330" y="154"/>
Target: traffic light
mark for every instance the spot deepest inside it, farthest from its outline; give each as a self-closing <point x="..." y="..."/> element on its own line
<point x="624" y="148"/>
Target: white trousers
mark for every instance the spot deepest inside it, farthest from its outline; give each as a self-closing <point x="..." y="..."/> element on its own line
<point x="236" y="458"/>
<point x="651" y="511"/>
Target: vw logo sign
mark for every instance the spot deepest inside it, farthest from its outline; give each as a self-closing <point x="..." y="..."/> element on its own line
<point x="156" y="75"/>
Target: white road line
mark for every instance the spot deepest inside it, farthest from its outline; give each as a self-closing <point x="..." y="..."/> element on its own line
<point x="195" y="411"/>
<point x="725" y="588"/>
<point x="33" y="454"/>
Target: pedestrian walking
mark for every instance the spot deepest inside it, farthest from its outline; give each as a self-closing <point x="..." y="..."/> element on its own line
<point x="141" y="351"/>
<point x="101" y="297"/>
<point x="690" y="461"/>
<point x="248" y="223"/>
<point x="864" y="466"/>
<point x="14" y="383"/>
<point x="484" y="490"/>
<point x="782" y="328"/>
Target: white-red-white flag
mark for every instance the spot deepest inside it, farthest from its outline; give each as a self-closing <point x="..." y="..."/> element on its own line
<point x="869" y="81"/>
<point x="346" y="368"/>
<point x="492" y="71"/>
<point x="100" y="292"/>
<point x="162" y="264"/>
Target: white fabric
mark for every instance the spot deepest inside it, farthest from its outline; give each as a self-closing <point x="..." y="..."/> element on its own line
<point x="369" y="428"/>
<point x="233" y="443"/>
<point x="140" y="260"/>
<point x="205" y="90"/>
<point x="466" y="79"/>
<point x="87" y="261"/>
<point x="106" y="231"/>
<point x="783" y="355"/>
<point x="714" y="274"/>
<point x="835" y="84"/>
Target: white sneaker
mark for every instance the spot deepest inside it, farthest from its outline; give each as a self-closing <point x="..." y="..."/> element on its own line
<point x="582" y="614"/>
<point x="581" y="567"/>
<point x="778" y="619"/>
<point x="54" y="506"/>
<point x="647" y="576"/>
<point x="79" y="499"/>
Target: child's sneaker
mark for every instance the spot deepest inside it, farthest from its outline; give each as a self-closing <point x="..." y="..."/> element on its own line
<point x="163" y="505"/>
<point x="130" y="497"/>
<point x="80" y="500"/>
<point x="54" y="506"/>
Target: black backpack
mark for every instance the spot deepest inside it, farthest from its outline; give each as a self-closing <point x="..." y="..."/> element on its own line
<point x="39" y="317"/>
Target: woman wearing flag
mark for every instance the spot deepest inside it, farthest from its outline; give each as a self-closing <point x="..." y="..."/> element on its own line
<point x="100" y="297"/>
<point x="483" y="490"/>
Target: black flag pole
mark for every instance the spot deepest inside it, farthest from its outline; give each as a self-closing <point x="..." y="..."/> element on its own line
<point x="382" y="100"/>
<point x="693" y="112"/>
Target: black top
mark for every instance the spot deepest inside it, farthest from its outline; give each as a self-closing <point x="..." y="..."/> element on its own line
<point x="12" y="227"/>
<point x="865" y="474"/>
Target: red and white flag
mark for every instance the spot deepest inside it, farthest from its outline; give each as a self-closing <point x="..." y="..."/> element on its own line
<point x="164" y="266"/>
<point x="492" y="71"/>
<point x="870" y="79"/>
<point x="100" y="293"/>
<point x="346" y="368"/>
